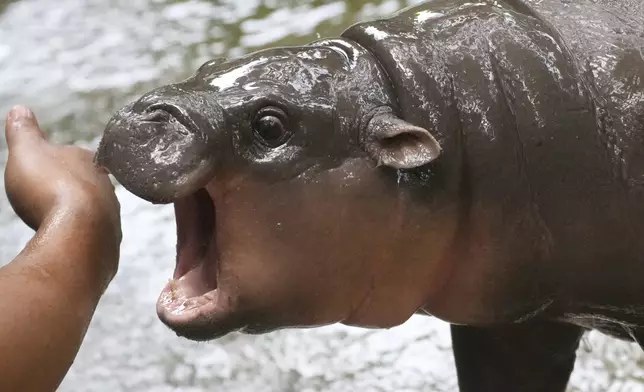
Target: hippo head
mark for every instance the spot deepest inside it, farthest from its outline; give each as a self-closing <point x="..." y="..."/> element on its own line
<point x="282" y="169"/>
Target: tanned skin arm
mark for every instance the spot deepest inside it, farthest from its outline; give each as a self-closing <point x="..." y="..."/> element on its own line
<point x="49" y="292"/>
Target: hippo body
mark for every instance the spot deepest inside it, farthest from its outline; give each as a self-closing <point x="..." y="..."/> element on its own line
<point x="539" y="106"/>
<point x="481" y="162"/>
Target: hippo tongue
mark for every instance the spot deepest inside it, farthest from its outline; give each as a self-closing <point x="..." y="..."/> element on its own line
<point x="192" y="285"/>
<point x="183" y="297"/>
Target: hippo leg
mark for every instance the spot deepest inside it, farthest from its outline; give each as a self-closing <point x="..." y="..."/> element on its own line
<point x="535" y="356"/>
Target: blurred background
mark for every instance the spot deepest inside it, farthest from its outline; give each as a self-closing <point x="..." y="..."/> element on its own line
<point x="75" y="62"/>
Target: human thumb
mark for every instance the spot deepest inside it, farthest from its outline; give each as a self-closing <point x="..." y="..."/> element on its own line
<point x="22" y="126"/>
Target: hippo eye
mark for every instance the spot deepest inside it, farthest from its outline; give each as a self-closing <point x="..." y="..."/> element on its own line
<point x="270" y="126"/>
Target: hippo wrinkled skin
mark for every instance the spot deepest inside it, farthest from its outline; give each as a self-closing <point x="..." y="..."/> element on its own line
<point x="480" y="162"/>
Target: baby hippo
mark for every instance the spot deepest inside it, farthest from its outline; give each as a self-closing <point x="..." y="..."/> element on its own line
<point x="479" y="162"/>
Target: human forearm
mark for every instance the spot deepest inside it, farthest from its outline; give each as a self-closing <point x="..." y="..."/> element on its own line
<point x="49" y="292"/>
<point x="48" y="295"/>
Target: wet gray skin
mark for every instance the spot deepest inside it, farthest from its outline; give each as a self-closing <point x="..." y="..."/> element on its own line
<point x="479" y="162"/>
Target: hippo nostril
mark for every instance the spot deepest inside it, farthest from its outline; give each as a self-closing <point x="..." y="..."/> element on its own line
<point x="165" y="113"/>
<point x="171" y="110"/>
<point x="160" y="116"/>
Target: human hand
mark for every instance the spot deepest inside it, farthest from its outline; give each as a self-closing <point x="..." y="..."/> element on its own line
<point x="50" y="183"/>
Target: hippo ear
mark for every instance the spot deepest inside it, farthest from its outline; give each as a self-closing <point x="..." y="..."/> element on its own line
<point x="396" y="143"/>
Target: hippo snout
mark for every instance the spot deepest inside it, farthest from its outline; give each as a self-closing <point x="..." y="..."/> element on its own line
<point x="162" y="147"/>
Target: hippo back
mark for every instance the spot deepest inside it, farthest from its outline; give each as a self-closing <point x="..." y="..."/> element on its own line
<point x="607" y="39"/>
<point x="544" y="102"/>
<point x="585" y="53"/>
<point x="490" y="79"/>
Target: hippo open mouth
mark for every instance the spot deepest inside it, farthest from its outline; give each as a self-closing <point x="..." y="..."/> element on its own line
<point x="160" y="148"/>
<point x="191" y="298"/>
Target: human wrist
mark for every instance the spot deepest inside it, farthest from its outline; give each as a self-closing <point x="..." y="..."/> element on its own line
<point x="83" y="242"/>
